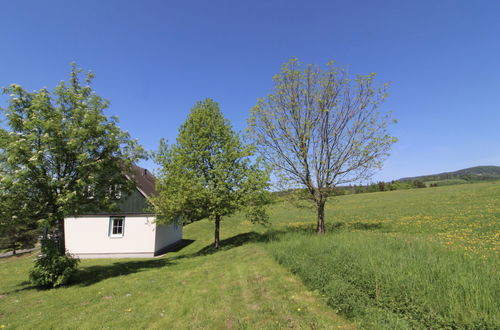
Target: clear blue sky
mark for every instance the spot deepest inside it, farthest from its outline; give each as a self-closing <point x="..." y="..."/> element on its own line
<point x="155" y="59"/>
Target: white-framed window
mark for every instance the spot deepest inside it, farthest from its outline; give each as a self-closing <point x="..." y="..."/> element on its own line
<point x="116" y="226"/>
<point x="115" y="191"/>
<point x="90" y="192"/>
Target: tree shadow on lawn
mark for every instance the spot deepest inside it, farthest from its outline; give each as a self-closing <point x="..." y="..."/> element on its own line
<point x="89" y="275"/>
<point x="238" y="240"/>
<point x="175" y="247"/>
<point x="86" y="276"/>
<point x="276" y="234"/>
<point x="93" y="274"/>
<point x="23" y="286"/>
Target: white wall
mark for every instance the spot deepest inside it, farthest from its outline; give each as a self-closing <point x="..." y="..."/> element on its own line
<point x="87" y="237"/>
<point x="167" y="235"/>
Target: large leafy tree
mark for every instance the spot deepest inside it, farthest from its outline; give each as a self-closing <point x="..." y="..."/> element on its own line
<point x="209" y="173"/>
<point x="320" y="128"/>
<point x="63" y="152"/>
<point x="18" y="229"/>
<point x="18" y="224"/>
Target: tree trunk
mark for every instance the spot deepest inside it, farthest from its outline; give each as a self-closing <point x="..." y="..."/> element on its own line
<point x="217" y="231"/>
<point x="320" y="207"/>
<point x="14" y="248"/>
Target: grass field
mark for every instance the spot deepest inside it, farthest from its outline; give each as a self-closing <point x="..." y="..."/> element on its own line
<point x="241" y="287"/>
<point x="422" y="258"/>
<point x="463" y="217"/>
<point x="403" y="259"/>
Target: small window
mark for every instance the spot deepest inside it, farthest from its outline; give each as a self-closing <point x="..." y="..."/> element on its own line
<point x="90" y="192"/>
<point x="116" y="227"/>
<point x="115" y="191"/>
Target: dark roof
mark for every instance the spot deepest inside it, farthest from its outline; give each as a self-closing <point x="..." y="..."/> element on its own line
<point x="144" y="180"/>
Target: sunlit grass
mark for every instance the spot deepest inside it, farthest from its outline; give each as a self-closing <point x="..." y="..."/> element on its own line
<point x="394" y="237"/>
<point x="240" y="287"/>
<point x="465" y="217"/>
<point x="423" y="258"/>
<point x="395" y="281"/>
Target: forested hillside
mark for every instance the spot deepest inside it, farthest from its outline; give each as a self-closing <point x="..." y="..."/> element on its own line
<point x="478" y="173"/>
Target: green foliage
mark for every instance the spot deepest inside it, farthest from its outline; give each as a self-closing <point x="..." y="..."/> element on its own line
<point x="208" y="173"/>
<point x="381" y="186"/>
<point x="18" y="222"/>
<point x="18" y="233"/>
<point x="245" y="279"/>
<point x="418" y="184"/>
<point x="51" y="268"/>
<point x="448" y="182"/>
<point x="387" y="282"/>
<point x="399" y="185"/>
<point x="319" y="129"/>
<point x="472" y="174"/>
<point x="61" y="148"/>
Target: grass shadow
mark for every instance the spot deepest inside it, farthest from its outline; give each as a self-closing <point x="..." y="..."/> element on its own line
<point x="181" y="245"/>
<point x="275" y="234"/>
<point x="24" y="286"/>
<point x="366" y="225"/>
<point x="89" y="275"/>
<point x="235" y="241"/>
<point x="175" y="247"/>
<point x="232" y="242"/>
<point x="86" y="276"/>
<point x="336" y="226"/>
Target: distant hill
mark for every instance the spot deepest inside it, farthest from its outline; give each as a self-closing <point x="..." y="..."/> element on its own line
<point x="478" y="173"/>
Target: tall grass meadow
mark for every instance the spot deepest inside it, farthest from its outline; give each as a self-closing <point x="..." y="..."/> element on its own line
<point x="383" y="281"/>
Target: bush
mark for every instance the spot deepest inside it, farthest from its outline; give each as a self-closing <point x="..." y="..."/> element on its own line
<point x="418" y="184"/>
<point x="400" y="185"/>
<point x="51" y="268"/>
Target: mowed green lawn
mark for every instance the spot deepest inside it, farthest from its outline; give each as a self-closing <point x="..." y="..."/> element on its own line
<point x="268" y="277"/>
<point x="241" y="287"/>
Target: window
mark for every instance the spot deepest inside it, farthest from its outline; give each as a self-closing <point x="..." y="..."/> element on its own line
<point x="115" y="191"/>
<point x="116" y="227"/>
<point x="90" y="192"/>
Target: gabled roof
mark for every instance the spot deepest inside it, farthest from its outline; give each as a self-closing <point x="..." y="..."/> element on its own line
<point x="144" y="180"/>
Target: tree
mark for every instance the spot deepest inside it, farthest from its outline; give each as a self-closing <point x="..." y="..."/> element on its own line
<point x="320" y="129"/>
<point x="18" y="228"/>
<point x="63" y="151"/>
<point x="208" y="173"/>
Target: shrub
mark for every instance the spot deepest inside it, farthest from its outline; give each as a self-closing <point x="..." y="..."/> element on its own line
<point x="418" y="184"/>
<point x="399" y="185"/>
<point x="51" y="268"/>
<point x="381" y="186"/>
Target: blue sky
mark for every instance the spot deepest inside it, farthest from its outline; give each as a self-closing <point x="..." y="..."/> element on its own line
<point x="154" y="59"/>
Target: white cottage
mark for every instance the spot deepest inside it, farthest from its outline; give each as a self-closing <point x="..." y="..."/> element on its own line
<point x="129" y="233"/>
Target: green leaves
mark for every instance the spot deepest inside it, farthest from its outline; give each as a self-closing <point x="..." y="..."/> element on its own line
<point x="208" y="172"/>
<point x="319" y="128"/>
<point x="58" y="144"/>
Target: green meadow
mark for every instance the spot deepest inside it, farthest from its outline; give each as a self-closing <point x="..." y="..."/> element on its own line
<point x="421" y="258"/>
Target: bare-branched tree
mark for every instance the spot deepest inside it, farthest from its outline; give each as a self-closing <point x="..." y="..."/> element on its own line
<point x="320" y="129"/>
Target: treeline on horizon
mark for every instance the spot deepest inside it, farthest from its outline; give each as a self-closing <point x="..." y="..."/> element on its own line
<point x="471" y="175"/>
<point x="359" y="189"/>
